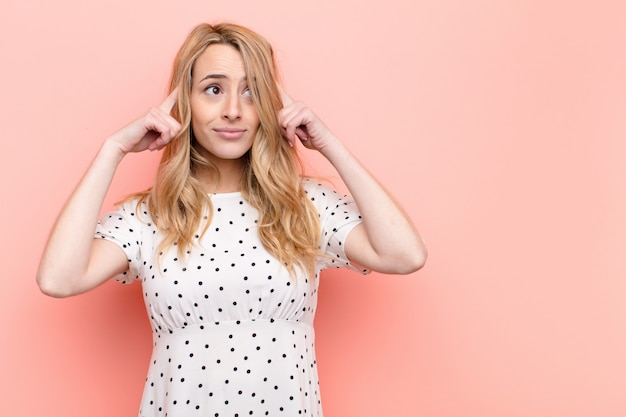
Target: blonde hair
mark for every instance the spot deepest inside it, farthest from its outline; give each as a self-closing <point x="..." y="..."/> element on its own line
<point x="288" y="223"/>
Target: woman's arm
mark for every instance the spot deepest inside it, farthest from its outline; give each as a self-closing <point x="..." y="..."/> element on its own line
<point x="73" y="261"/>
<point x="386" y="241"/>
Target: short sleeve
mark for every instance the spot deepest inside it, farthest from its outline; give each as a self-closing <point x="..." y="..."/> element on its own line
<point x="339" y="215"/>
<point x="123" y="228"/>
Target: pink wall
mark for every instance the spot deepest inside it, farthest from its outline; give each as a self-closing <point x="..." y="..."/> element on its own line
<point x="499" y="125"/>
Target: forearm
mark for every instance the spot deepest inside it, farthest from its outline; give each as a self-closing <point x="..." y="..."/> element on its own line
<point x="66" y="256"/>
<point x="397" y="246"/>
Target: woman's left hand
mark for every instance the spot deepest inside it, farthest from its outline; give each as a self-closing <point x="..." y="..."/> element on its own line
<point x="386" y="240"/>
<point x="300" y="123"/>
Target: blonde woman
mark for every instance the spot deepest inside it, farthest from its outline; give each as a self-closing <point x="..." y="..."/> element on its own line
<point x="229" y="241"/>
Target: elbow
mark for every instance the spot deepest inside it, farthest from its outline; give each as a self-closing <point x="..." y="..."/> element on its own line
<point x="411" y="262"/>
<point x="413" y="258"/>
<point x="419" y="261"/>
<point x="48" y="286"/>
<point x="49" y="290"/>
<point x="403" y="262"/>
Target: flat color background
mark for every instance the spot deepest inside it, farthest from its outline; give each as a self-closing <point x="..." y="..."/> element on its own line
<point x="500" y="126"/>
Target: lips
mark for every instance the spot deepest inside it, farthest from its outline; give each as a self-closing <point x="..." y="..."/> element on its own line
<point x="230" y="133"/>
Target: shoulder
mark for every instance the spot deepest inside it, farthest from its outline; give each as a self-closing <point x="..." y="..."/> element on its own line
<point x="136" y="206"/>
<point x="324" y="196"/>
<point x="317" y="189"/>
<point x="132" y="210"/>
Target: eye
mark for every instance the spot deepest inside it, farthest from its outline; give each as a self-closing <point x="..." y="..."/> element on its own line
<point x="247" y="93"/>
<point x="213" y="90"/>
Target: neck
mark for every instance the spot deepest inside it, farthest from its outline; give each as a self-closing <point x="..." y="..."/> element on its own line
<point x="229" y="179"/>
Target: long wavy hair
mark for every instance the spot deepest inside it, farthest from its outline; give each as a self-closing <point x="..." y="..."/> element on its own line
<point x="288" y="224"/>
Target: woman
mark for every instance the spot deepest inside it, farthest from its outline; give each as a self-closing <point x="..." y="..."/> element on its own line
<point x="230" y="240"/>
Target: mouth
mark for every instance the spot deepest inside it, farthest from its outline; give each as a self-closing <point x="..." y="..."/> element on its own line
<point x="230" y="133"/>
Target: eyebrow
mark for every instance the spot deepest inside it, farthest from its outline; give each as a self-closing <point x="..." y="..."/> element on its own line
<point x="208" y="76"/>
<point x="217" y="76"/>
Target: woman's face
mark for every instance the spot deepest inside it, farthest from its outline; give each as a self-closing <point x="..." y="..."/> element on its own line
<point x="223" y="116"/>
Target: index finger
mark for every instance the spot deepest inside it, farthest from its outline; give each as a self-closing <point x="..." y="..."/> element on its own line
<point x="284" y="96"/>
<point x="170" y="101"/>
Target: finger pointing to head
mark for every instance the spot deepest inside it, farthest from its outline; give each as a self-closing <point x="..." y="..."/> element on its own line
<point x="284" y="96"/>
<point x="170" y="101"/>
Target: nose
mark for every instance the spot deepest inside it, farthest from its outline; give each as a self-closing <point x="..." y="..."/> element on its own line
<point x="232" y="107"/>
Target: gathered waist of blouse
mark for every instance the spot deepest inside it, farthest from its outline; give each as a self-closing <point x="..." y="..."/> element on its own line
<point x="234" y="328"/>
<point x="264" y="366"/>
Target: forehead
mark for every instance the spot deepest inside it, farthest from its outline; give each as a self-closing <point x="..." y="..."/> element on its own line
<point x="219" y="59"/>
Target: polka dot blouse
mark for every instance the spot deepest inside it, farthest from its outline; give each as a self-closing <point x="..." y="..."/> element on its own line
<point x="232" y="331"/>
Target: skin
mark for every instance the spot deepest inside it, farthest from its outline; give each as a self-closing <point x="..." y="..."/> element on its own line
<point x="225" y="124"/>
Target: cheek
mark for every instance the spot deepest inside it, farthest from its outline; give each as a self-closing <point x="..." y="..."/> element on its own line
<point x="194" y="110"/>
<point x="201" y="111"/>
<point x="254" y="118"/>
<point x="195" y="123"/>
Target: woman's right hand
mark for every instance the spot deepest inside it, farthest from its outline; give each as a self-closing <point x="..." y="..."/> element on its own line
<point x="152" y="131"/>
<point x="73" y="261"/>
